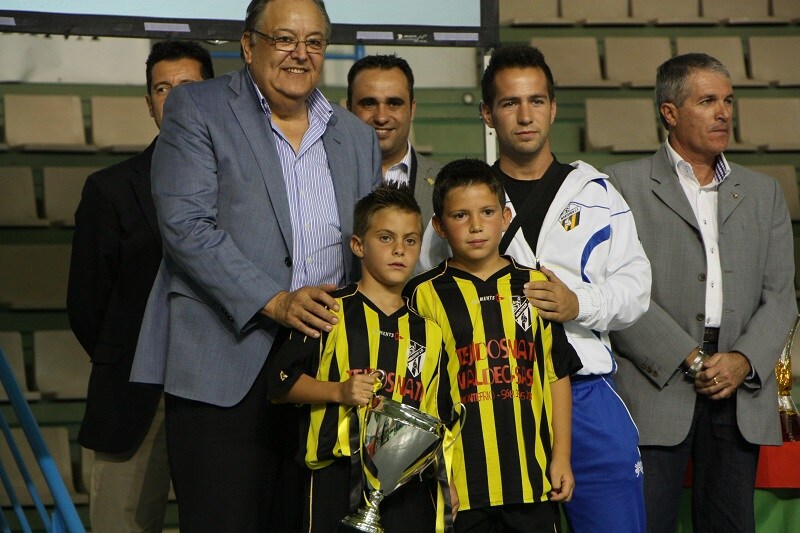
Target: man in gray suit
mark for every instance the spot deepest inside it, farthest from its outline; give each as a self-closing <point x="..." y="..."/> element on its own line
<point x="696" y="369"/>
<point x="380" y="91"/>
<point x="255" y="176"/>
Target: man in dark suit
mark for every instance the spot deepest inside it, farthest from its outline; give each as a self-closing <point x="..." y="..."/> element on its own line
<point x="115" y="256"/>
<point x="697" y="369"/>
<point x="255" y="177"/>
<point x="380" y="91"/>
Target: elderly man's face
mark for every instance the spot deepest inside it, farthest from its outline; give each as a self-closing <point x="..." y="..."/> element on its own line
<point x="701" y="126"/>
<point x="382" y="99"/>
<point x="286" y="76"/>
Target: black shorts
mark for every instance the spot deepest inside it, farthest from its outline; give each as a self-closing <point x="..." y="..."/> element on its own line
<point x="524" y="517"/>
<point x="412" y="507"/>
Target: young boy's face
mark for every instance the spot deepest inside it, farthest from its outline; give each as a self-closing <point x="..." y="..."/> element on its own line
<point x="473" y="222"/>
<point x="390" y="248"/>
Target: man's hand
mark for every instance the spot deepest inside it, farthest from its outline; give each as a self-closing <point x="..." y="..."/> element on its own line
<point x="357" y="390"/>
<point x="722" y="374"/>
<point x="554" y="300"/>
<point x="307" y="309"/>
<point x="562" y="480"/>
<point x="454" y="501"/>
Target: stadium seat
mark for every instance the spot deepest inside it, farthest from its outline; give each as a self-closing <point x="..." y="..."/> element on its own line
<point x="677" y="13"/>
<point x="786" y="9"/>
<point x="56" y="439"/>
<point x="775" y="59"/>
<point x="121" y="124"/>
<point x="18" y="199"/>
<point x="62" y="192"/>
<point x="34" y="276"/>
<point x="621" y="125"/>
<point x="531" y="13"/>
<point x="728" y="50"/>
<point x="45" y="123"/>
<point x="738" y="12"/>
<point x="11" y="343"/>
<point x="787" y="178"/>
<point x="606" y="13"/>
<point x="574" y="61"/>
<point x="770" y="123"/>
<point x="61" y="365"/>
<point x="633" y="60"/>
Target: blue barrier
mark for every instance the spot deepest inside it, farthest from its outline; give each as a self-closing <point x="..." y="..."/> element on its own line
<point x="64" y="518"/>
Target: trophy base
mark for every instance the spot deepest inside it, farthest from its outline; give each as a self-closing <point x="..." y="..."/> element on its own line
<point x="790" y="426"/>
<point x="365" y="519"/>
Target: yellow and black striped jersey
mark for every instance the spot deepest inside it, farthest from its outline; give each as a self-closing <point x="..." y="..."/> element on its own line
<point x="404" y="345"/>
<point x="500" y="358"/>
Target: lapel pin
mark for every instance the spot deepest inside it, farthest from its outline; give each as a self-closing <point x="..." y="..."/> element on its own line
<point x="735" y="196"/>
<point x="430" y="180"/>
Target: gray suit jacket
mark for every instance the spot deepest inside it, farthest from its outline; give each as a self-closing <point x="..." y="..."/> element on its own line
<point x="427" y="169"/>
<point x="759" y="307"/>
<point x="224" y="216"/>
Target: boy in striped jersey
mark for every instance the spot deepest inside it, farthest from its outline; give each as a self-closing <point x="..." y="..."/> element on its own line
<point x="335" y="372"/>
<point x="505" y="363"/>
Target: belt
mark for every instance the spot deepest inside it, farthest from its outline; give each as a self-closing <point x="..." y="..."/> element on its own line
<point x="711" y="335"/>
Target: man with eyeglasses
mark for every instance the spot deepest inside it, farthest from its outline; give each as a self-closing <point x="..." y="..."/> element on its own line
<point x="255" y="177"/>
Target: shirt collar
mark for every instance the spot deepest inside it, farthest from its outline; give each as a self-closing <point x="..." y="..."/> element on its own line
<point x="318" y="105"/>
<point x="721" y="167"/>
<point x="405" y="163"/>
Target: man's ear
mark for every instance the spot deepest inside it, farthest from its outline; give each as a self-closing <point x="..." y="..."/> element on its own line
<point x="357" y="246"/>
<point x="670" y="113"/>
<point x="486" y="114"/>
<point x="149" y="104"/>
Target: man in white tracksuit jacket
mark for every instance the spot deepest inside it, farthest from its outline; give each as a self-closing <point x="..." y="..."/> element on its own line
<point x="599" y="279"/>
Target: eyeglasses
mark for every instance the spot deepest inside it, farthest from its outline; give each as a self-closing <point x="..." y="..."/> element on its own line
<point x="290" y="44"/>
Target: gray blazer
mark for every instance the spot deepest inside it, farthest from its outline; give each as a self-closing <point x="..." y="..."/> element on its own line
<point x="224" y="216"/>
<point x="427" y="169"/>
<point x="759" y="307"/>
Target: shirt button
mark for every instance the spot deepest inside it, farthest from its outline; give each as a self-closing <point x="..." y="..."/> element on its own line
<point x="701" y="277"/>
<point x="287" y="261"/>
<point x="700" y="317"/>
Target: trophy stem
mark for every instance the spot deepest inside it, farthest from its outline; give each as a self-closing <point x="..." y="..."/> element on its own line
<point x="790" y="420"/>
<point x="367" y="518"/>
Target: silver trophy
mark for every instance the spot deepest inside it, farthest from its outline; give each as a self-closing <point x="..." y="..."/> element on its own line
<point x="397" y="442"/>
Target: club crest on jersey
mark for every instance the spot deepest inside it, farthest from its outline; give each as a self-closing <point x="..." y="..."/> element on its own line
<point x="415" y="355"/>
<point x="522" y="312"/>
<point x="570" y="217"/>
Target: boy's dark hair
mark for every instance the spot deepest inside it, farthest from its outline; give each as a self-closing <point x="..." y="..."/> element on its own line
<point x="175" y="50"/>
<point x="383" y="197"/>
<point x="382" y="62"/>
<point x="514" y="56"/>
<point x="463" y="173"/>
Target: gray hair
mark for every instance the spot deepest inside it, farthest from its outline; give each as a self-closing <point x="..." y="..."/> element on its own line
<point x="256" y="9"/>
<point x="671" y="86"/>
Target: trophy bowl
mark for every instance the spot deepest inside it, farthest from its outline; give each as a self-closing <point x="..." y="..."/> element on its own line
<point x="397" y="442"/>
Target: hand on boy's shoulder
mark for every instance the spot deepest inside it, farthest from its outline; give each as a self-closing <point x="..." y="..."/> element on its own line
<point x="554" y="300"/>
<point x="307" y="309"/>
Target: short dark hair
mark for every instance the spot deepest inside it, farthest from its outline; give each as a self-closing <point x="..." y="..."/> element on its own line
<point x="384" y="196"/>
<point x="671" y="78"/>
<point x="464" y="173"/>
<point x="514" y="56"/>
<point x="256" y="8"/>
<point x="382" y="62"/>
<point x="175" y="50"/>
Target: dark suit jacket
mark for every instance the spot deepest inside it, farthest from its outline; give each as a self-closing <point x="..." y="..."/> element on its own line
<point x="759" y="307"/>
<point x="426" y="171"/>
<point x="116" y="250"/>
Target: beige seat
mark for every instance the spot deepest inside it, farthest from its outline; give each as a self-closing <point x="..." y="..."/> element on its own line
<point x="61" y="365"/>
<point x="18" y="198"/>
<point x="787" y="178"/>
<point x="770" y="123"/>
<point x="776" y="59"/>
<point x="633" y="60"/>
<point x="34" y="276"/>
<point x="621" y="125"/>
<point x="736" y="12"/>
<point x="676" y="13"/>
<point x="728" y="50"/>
<point x="62" y="192"/>
<point x="11" y="343"/>
<point x="121" y="124"/>
<point x="786" y="9"/>
<point x="531" y="13"/>
<point x="56" y="439"/>
<point x="45" y="123"/>
<point x="574" y="61"/>
<point x="606" y="13"/>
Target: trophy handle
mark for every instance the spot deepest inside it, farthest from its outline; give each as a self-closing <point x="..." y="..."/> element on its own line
<point x="381" y="375"/>
<point x="462" y="417"/>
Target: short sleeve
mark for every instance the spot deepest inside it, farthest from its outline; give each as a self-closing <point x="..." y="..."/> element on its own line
<point x="298" y="355"/>
<point x="565" y="359"/>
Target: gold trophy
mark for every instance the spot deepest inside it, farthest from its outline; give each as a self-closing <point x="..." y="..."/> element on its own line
<point x="397" y="442"/>
<point x="790" y="420"/>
